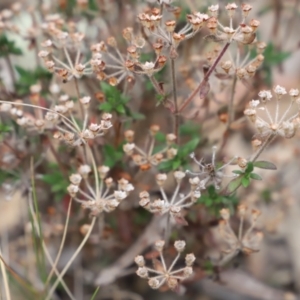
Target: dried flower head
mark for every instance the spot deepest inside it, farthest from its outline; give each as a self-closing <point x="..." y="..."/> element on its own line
<point x="210" y="172"/>
<point x="246" y="242"/>
<point x="270" y="123"/>
<point x="99" y="197"/>
<point x="163" y="275"/>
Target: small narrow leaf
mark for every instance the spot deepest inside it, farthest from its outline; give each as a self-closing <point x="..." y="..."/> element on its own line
<point x="264" y="165"/>
<point x="245" y="182"/>
<point x="235" y="184"/>
<point x="239" y="172"/>
<point x="249" y="167"/>
<point x="255" y="176"/>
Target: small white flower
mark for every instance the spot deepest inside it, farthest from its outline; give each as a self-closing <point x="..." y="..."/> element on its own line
<point x="120" y="195"/>
<point x="85" y="100"/>
<point x="84" y="170"/>
<point x="60" y="109"/>
<point x="64" y="98"/>
<point x="140" y="261"/>
<point x="294" y="92"/>
<point x="47" y="43"/>
<point x="51" y="116"/>
<point x="75" y="179"/>
<point x="254" y="103"/>
<point x="142" y="272"/>
<point x="189" y="259"/>
<point x="22" y="121"/>
<point x="43" y="53"/>
<point x="265" y="95"/>
<point x="128" y="148"/>
<point x="154" y="283"/>
<point x="87" y="134"/>
<point x="179" y="175"/>
<point x="231" y="6"/>
<point x="214" y="8"/>
<point x="128" y="188"/>
<point x="148" y="66"/>
<point x="5" y="107"/>
<point x="94" y="127"/>
<point x="103" y="169"/>
<point x="279" y="90"/>
<point x="159" y="245"/>
<point x="54" y="88"/>
<point x="73" y="190"/>
<point x="179" y="245"/>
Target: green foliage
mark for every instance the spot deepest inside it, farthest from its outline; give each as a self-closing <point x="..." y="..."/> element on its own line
<point x="112" y="155"/>
<point x="272" y="57"/>
<point x="58" y="183"/>
<point x="182" y="157"/>
<point x="264" y="165"/>
<point x="214" y="201"/>
<point x="189" y="129"/>
<point x="8" y="176"/>
<point x="4" y="128"/>
<point x="245" y="177"/>
<point x="31" y="77"/>
<point x="116" y="102"/>
<point x="8" y="47"/>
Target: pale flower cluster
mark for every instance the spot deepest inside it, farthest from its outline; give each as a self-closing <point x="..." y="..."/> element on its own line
<point x="100" y="197"/>
<point x="163" y="274"/>
<point x="273" y="122"/>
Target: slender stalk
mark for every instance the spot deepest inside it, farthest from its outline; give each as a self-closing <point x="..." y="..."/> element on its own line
<point x="11" y="69"/>
<point x="61" y="244"/>
<point x="269" y="139"/>
<point x="49" y="296"/>
<point x="57" y="273"/>
<point x="5" y="280"/>
<point x="231" y="111"/>
<point x="167" y="229"/>
<point x="205" y="79"/>
<point x="78" y="96"/>
<point x="176" y="114"/>
<point x="156" y="85"/>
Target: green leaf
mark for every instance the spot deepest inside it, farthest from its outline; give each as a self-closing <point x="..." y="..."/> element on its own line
<point x="235" y="184"/>
<point x="249" y="168"/>
<point x="31" y="77"/>
<point x="120" y="109"/>
<point x="245" y="181"/>
<point x="160" y="137"/>
<point x="107" y="107"/>
<point x="58" y="183"/>
<point x="239" y="172"/>
<point x="137" y="116"/>
<point x="112" y="155"/>
<point x="273" y="56"/>
<point x="176" y="164"/>
<point x="189" y="147"/>
<point x="264" y="165"/>
<point x="190" y="129"/>
<point x="255" y="176"/>
<point x="8" y="47"/>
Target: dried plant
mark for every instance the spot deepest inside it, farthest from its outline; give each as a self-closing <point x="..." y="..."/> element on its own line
<point x="76" y="109"/>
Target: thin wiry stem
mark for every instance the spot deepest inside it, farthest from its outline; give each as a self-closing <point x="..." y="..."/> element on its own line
<point x="176" y="114"/>
<point x="231" y="111"/>
<point x="156" y="86"/>
<point x="205" y="79"/>
<point x="61" y="244"/>
<point x="49" y="296"/>
<point x="5" y="280"/>
<point x="57" y="273"/>
<point x="269" y="139"/>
